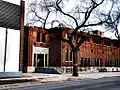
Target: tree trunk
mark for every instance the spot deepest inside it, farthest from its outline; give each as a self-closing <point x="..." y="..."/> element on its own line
<point x="75" y="63"/>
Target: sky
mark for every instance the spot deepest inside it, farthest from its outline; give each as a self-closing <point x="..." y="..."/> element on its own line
<point x="106" y="34"/>
<point x="13" y="1"/>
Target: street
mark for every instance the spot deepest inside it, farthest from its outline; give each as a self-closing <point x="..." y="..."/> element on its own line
<point x="98" y="84"/>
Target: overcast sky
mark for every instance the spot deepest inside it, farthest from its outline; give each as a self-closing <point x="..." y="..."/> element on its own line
<point x="108" y="34"/>
<point x="13" y="1"/>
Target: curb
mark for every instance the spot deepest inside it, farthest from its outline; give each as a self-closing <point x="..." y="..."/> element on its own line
<point x="16" y="80"/>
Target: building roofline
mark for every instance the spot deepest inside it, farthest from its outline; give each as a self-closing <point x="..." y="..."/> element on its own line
<point x="78" y="32"/>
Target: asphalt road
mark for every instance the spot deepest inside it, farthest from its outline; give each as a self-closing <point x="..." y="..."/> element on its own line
<point x="100" y="84"/>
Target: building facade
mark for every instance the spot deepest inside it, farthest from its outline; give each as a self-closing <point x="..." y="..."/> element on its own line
<point x="43" y="49"/>
<point x="36" y="50"/>
<point x="11" y="26"/>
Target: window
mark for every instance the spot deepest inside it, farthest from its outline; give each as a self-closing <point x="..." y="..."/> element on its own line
<point x="74" y="37"/>
<point x="108" y="63"/>
<point x="116" y="43"/>
<point x="96" y="62"/>
<point x="112" y="53"/>
<point x="96" y="41"/>
<point x="101" y="63"/>
<point x="70" y="55"/>
<point x="92" y="50"/>
<point x="67" y="58"/>
<point x="81" y="62"/>
<point x="71" y="58"/>
<point x="84" y="61"/>
<point x="67" y="55"/>
<point x="87" y="39"/>
<point x="88" y="61"/>
<point x="117" y="63"/>
<point x="43" y="38"/>
<point x="67" y="36"/>
<point x="102" y="52"/>
<point x="106" y="42"/>
<point x="38" y="37"/>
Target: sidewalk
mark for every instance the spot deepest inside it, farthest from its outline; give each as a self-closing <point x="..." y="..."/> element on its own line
<point x="46" y="78"/>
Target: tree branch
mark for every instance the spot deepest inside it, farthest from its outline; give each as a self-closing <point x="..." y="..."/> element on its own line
<point x="87" y="15"/>
<point x="59" y="9"/>
<point x="80" y="42"/>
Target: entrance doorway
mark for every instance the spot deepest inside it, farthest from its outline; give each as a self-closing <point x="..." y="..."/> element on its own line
<point x="40" y="57"/>
<point x="40" y="60"/>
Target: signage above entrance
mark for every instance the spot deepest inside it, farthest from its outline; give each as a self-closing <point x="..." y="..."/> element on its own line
<point x="40" y="50"/>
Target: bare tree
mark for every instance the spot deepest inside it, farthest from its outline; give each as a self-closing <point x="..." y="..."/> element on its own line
<point x="113" y="23"/>
<point x="81" y="15"/>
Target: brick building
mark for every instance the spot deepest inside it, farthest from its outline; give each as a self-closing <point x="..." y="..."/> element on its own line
<point x="43" y="49"/>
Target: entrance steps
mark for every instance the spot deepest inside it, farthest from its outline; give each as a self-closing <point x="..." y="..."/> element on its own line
<point x="49" y="70"/>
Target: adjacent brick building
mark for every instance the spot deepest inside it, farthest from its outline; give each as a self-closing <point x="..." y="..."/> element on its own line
<point x="42" y="49"/>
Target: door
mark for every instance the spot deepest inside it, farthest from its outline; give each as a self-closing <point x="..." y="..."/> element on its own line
<point x="40" y="60"/>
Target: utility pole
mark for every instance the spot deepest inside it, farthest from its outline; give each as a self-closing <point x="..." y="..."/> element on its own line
<point x="22" y="7"/>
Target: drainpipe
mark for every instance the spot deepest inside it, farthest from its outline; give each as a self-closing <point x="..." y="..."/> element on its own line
<point x="5" y="53"/>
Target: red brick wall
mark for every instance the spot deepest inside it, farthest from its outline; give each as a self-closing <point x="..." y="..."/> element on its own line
<point x="54" y="52"/>
<point x="92" y="50"/>
<point x="30" y="34"/>
<point x="57" y="48"/>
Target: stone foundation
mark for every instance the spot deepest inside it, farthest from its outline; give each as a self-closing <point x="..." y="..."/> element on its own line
<point x="59" y="70"/>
